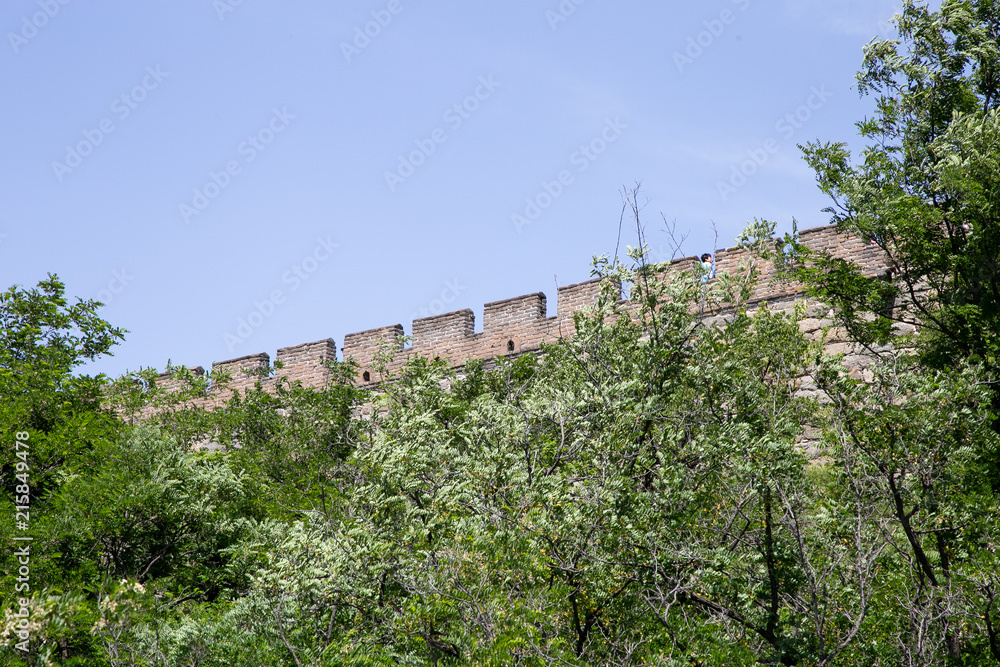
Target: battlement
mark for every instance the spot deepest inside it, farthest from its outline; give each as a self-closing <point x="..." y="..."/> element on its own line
<point x="510" y="327"/>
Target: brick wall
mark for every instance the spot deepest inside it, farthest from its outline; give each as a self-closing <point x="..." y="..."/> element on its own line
<point x="511" y="326"/>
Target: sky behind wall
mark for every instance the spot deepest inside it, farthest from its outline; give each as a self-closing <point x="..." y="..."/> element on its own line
<point x="232" y="177"/>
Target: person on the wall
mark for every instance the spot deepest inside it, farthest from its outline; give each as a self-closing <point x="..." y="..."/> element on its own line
<point x="707" y="267"/>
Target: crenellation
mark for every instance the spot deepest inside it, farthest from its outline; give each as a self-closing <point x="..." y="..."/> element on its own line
<point x="574" y="298"/>
<point x="245" y="371"/>
<point x="167" y="382"/>
<point x="239" y="365"/>
<point x="519" y="325"/>
<point x="365" y="345"/>
<point x="445" y="330"/>
<point x="516" y="314"/>
<point x="307" y="362"/>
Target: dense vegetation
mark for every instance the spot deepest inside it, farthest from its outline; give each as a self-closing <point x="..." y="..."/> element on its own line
<point x="636" y="495"/>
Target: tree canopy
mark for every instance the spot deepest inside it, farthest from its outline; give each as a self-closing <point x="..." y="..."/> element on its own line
<point x="925" y="189"/>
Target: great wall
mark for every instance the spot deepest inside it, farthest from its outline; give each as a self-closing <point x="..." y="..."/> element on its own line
<point x="519" y="325"/>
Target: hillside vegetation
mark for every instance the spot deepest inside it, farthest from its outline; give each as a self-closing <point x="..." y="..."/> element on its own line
<point x="634" y="495"/>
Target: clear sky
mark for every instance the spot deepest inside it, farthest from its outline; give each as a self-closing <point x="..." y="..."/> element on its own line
<point x="235" y="176"/>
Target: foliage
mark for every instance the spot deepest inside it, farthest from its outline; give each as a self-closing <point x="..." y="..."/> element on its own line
<point x="55" y="417"/>
<point x="636" y="494"/>
<point x="924" y="191"/>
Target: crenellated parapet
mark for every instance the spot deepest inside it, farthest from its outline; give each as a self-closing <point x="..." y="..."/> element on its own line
<point x="510" y="327"/>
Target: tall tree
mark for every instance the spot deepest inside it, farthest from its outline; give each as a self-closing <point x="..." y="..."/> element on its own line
<point x="49" y="419"/>
<point x="925" y="190"/>
<point x="926" y="193"/>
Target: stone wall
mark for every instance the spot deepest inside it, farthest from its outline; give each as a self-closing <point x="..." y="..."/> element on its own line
<point x="516" y="326"/>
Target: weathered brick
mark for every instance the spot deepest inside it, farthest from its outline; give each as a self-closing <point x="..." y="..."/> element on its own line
<point x="518" y="325"/>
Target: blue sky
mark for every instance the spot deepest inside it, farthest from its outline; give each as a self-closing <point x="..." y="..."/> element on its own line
<point x="335" y="167"/>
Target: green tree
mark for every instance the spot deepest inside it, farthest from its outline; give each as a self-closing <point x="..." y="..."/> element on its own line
<point x="910" y="447"/>
<point x="43" y="339"/>
<point x="634" y="494"/>
<point x="925" y="190"/>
